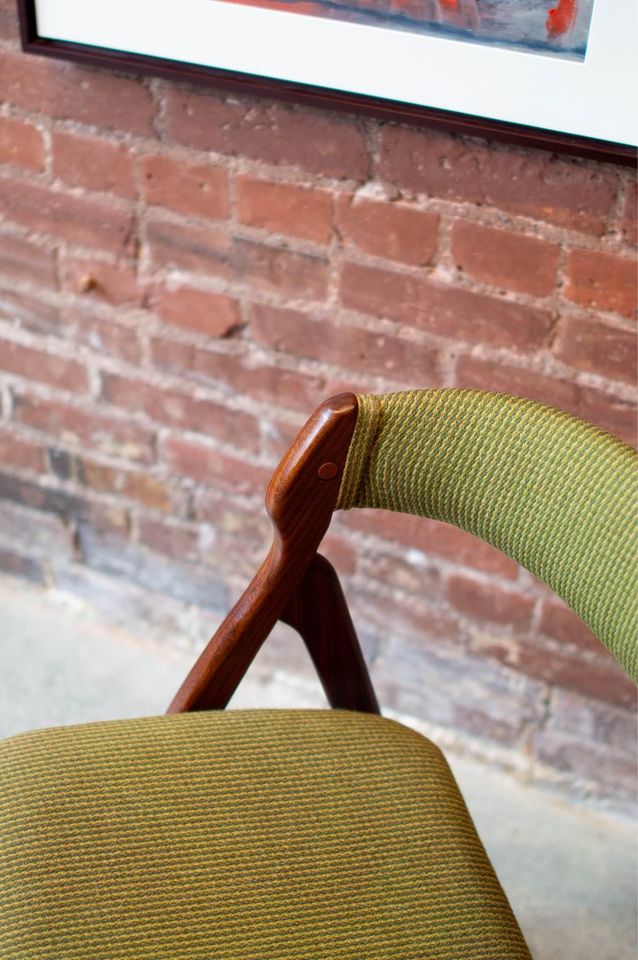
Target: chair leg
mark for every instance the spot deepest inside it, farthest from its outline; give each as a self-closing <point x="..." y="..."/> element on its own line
<point x="319" y="613"/>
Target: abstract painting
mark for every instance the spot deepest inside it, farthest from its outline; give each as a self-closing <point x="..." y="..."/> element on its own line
<point x="560" y="28"/>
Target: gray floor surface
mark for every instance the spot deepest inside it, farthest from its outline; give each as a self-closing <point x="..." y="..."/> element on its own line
<point x="570" y="874"/>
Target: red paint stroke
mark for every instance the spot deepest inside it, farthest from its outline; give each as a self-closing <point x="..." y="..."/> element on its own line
<point x="561" y="18"/>
<point x="450" y="4"/>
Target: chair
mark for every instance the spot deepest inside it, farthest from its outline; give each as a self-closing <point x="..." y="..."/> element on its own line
<point x="314" y="835"/>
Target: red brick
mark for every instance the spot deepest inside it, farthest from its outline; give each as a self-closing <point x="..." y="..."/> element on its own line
<point x="24" y="260"/>
<point x="44" y="367"/>
<point x="206" y="465"/>
<point x="171" y="539"/>
<point x="609" y="412"/>
<point x="82" y="428"/>
<point x="142" y="487"/>
<point x="444" y="310"/>
<point x="104" y="335"/>
<point x="432" y="537"/>
<point x="14" y="563"/>
<point x="31" y="313"/>
<point x="114" y="283"/>
<point x="629" y="222"/>
<point x="560" y="623"/>
<point x="504" y="258"/>
<point x="603" y="680"/>
<point x="482" y="374"/>
<point x="341" y="554"/>
<point x="598" y="348"/>
<point x="21" y="144"/>
<point x="410" y="577"/>
<point x="591" y="721"/>
<point x="352" y="348"/>
<point x="485" y="601"/>
<point x="93" y="163"/>
<point x="70" y="92"/>
<point x="285" y="208"/>
<point x="602" y="281"/>
<point x="243" y="374"/>
<point x="186" y="247"/>
<point x="199" y="190"/>
<point x="268" y="131"/>
<point x="181" y="410"/>
<point x="279" y="270"/>
<point x="391" y="230"/>
<point x="88" y="221"/>
<point x="21" y="454"/>
<point x="9" y="28"/>
<point x="203" y="311"/>
<point x="533" y="184"/>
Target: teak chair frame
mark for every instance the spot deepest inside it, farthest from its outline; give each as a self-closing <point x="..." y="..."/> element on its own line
<point x="295" y="584"/>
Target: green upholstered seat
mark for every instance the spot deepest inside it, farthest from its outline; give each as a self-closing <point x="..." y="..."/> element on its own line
<point x="252" y="835"/>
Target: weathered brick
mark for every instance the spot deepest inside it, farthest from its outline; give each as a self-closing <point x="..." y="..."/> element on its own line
<point x="88" y="221"/>
<point x="485" y="601"/>
<point x="445" y="310"/>
<point x="280" y="270"/>
<point x="562" y="624"/>
<point x="598" y="348"/>
<point x="481" y="374"/>
<point x="82" y="428"/>
<point x="102" y="334"/>
<point x="299" y="334"/>
<point x="285" y="208"/>
<point x="598" y="723"/>
<point x="35" y="534"/>
<point x="183" y="246"/>
<point x="22" y="361"/>
<point x="203" y="464"/>
<point x="21" y="144"/>
<point x="93" y="163"/>
<point x="36" y="496"/>
<point x="603" y="679"/>
<point x="69" y="92"/>
<point x="187" y="582"/>
<point x="433" y="538"/>
<point x="532" y="184"/>
<point x="142" y="487"/>
<point x="601" y="766"/>
<point x="610" y="413"/>
<point x="603" y="281"/>
<point x="629" y="222"/>
<point x="114" y="283"/>
<point x="172" y="539"/>
<point x="24" y="260"/>
<point x="29" y="312"/>
<point x="181" y="410"/>
<point x="21" y="454"/>
<point x="203" y="311"/>
<point x="267" y="131"/>
<point x="504" y="258"/>
<point x="242" y="373"/>
<point x="15" y="563"/>
<point x="195" y="189"/>
<point x="391" y="230"/>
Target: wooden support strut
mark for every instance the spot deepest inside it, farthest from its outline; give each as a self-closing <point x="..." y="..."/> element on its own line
<point x="294" y="584"/>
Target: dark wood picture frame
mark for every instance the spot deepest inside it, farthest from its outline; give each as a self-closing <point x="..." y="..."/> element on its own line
<point x="322" y="97"/>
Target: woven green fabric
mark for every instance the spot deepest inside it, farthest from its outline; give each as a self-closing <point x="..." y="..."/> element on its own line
<point x="248" y="835"/>
<point x="552" y="491"/>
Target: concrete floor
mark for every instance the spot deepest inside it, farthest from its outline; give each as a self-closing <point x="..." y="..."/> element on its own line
<point x="570" y="874"/>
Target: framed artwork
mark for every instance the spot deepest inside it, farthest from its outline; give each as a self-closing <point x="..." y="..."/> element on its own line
<point x="559" y="74"/>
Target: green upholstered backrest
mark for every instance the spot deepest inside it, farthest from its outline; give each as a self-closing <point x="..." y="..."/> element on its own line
<point x="550" y="490"/>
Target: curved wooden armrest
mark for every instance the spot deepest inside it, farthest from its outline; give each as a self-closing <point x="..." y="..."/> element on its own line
<point x="300" y="500"/>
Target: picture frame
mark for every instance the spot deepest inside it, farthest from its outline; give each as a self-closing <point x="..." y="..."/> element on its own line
<point x="580" y="101"/>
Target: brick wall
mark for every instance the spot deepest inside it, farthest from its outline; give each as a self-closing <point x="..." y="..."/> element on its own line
<point x="185" y="275"/>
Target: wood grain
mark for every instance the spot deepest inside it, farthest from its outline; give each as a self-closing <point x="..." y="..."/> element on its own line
<point x="300" y="504"/>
